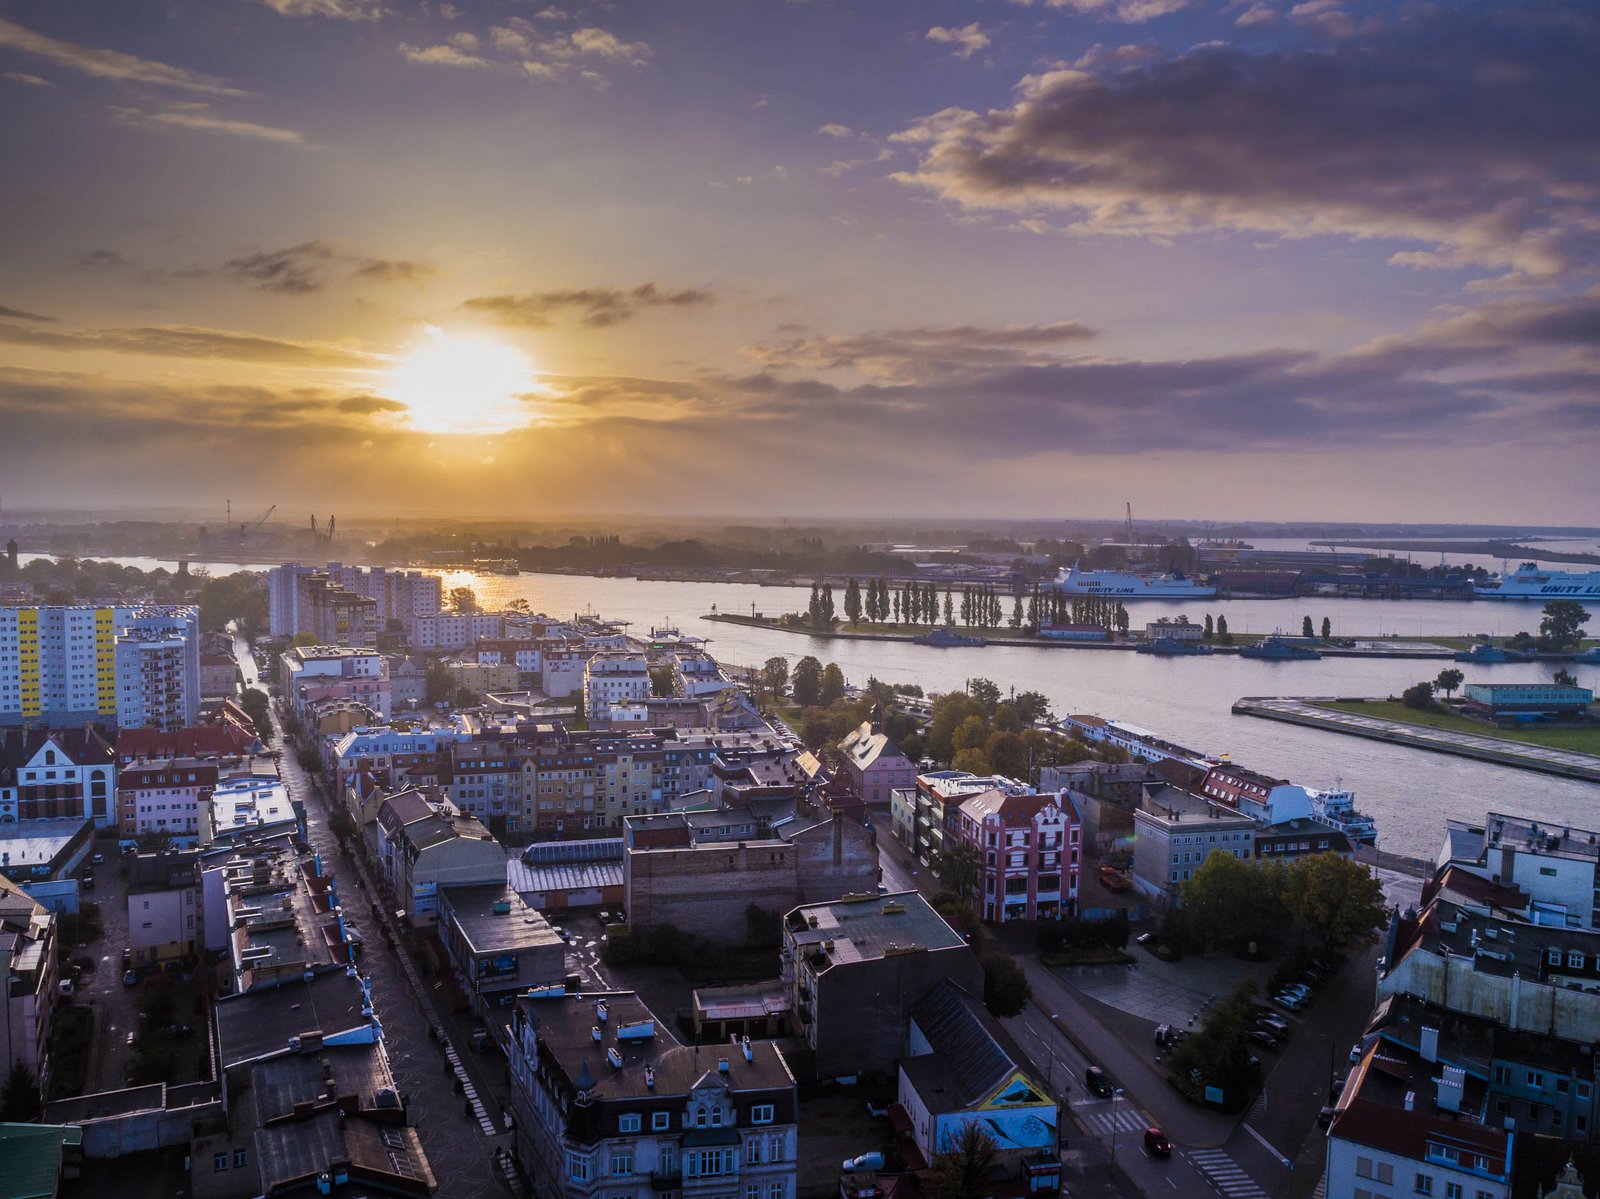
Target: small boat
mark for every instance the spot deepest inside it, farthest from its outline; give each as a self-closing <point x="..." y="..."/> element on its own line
<point x="1484" y="655"/>
<point x="1589" y="657"/>
<point x="1278" y="648"/>
<point x="948" y="639"/>
<point x="1171" y="647"/>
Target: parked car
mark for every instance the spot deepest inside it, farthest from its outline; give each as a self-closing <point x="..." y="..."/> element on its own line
<point x="127" y="959"/>
<point x="130" y="978"/>
<point x="67" y="987"/>
<point x="1325" y="1116"/>
<point x="1144" y="938"/>
<point x="1299" y="989"/>
<point x="1098" y="1083"/>
<point x="1263" y="1038"/>
<point x="1156" y="1143"/>
<point x="98" y="859"/>
<point x="88" y="880"/>
<point x="1355" y="1053"/>
<point x="1292" y="1003"/>
<point x="178" y="1030"/>
<point x="1271" y="1020"/>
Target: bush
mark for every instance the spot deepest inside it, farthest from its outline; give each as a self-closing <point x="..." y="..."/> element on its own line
<point x="1419" y="696"/>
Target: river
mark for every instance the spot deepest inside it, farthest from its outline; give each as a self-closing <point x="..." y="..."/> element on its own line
<point x="1409" y="792"/>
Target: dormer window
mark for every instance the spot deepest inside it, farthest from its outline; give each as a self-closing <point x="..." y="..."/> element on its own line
<point x="1575" y="960"/>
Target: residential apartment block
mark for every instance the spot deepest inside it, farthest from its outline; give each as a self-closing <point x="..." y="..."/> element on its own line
<point x="50" y="774"/>
<point x="1030" y="848"/>
<point x="1557" y="865"/>
<point x="608" y="1104"/>
<point x="122" y="666"/>
<point x="422" y="847"/>
<point x="28" y="932"/>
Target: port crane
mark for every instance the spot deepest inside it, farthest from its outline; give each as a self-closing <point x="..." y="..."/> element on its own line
<point x="247" y="529"/>
<point x="321" y="535"/>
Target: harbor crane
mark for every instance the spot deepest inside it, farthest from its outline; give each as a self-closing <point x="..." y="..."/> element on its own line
<point x="247" y="529"/>
<point x="321" y="535"/>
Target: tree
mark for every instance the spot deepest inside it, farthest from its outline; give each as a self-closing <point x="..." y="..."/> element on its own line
<point x="661" y="681"/>
<point x="808" y="682"/>
<point x="1209" y="631"/>
<point x="971" y="761"/>
<point x="522" y="607"/>
<point x="958" y="867"/>
<point x="1121" y="618"/>
<point x="1031" y="706"/>
<point x="1227" y="900"/>
<point x="305" y="638"/>
<point x="986" y="692"/>
<point x="1327" y="629"/>
<point x="971" y="734"/>
<point x="962" y="1171"/>
<point x="1005" y="987"/>
<point x="1007" y="754"/>
<point x="775" y="674"/>
<point x="1006" y="719"/>
<point x="1305" y="628"/>
<point x="309" y="760"/>
<point x="1418" y="696"/>
<point x="1448" y="680"/>
<point x="439" y="683"/>
<point x="463" y="599"/>
<point x="948" y="713"/>
<point x="852" y="601"/>
<point x="154" y="841"/>
<point x="1562" y="624"/>
<point x="1564" y="678"/>
<point x="1222" y="631"/>
<point x="832" y="686"/>
<point x="21" y="1103"/>
<point x="1335" y="898"/>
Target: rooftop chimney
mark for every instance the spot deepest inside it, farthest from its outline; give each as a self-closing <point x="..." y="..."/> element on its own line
<point x="1430" y="1044"/>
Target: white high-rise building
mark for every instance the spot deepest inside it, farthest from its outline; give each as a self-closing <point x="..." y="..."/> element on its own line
<point x="401" y="595"/>
<point x="70" y="665"/>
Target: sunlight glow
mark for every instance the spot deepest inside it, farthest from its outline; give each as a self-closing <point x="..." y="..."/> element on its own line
<point x="462" y="383"/>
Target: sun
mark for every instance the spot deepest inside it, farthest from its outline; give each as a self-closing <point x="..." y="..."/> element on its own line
<point x="461" y="383"/>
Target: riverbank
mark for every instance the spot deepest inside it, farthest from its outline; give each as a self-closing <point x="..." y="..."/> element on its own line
<point x="1428" y="648"/>
<point x="1342" y="715"/>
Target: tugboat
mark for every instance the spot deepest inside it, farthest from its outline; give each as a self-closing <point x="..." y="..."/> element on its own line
<point x="948" y="639"/>
<point x="1277" y="648"/>
<point x="1487" y="655"/>
<point x="1171" y="647"/>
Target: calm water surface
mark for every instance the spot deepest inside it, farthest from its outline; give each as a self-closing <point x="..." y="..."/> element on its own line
<point x="1409" y="792"/>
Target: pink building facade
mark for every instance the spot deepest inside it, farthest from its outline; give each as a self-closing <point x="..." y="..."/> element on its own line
<point x="875" y="764"/>
<point x="1030" y="848"/>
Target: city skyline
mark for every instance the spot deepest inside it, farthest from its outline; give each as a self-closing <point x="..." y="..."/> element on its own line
<point x="1321" y="261"/>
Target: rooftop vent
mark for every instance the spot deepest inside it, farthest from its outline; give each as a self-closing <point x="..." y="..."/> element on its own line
<point x="650" y="1076"/>
<point x="722" y="1065"/>
<point x="614" y="1057"/>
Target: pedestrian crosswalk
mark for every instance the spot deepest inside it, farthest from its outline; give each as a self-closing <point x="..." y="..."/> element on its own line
<point x="1100" y="1123"/>
<point x="1224" y="1174"/>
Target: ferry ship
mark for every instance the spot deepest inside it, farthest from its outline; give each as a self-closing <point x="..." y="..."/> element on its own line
<point x="497" y="566"/>
<point x="1336" y="808"/>
<point x="1529" y="582"/>
<point x="1122" y="585"/>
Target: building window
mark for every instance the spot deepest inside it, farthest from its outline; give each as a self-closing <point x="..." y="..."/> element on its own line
<point x="1452" y="1190"/>
<point x="622" y="1161"/>
<point x="752" y="1151"/>
<point x="239" y="1159"/>
<point x="1535" y="1079"/>
<point x="1424" y="1184"/>
<point x="1553" y="956"/>
<point x="578" y="1167"/>
<point x="660" y="1121"/>
<point x="1502" y="1074"/>
<point x="1575" y="961"/>
<point x="220" y="1162"/>
<point x="628" y="1122"/>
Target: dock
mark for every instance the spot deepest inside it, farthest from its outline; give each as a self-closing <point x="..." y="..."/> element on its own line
<point x="1519" y="755"/>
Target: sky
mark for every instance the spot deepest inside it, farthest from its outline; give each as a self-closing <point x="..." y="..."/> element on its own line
<point x="1217" y="258"/>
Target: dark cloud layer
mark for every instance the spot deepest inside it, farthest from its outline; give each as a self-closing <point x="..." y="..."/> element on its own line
<point x="596" y="307"/>
<point x="1465" y="130"/>
<point x="925" y="351"/>
<point x="189" y="342"/>
<point x="311" y="265"/>
<point x="17" y="314"/>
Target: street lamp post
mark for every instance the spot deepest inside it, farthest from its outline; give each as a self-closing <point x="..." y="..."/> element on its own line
<point x="1116" y="1094"/>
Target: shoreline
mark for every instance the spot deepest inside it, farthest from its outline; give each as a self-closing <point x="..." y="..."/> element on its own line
<point x="1442" y="649"/>
<point x="1518" y="755"/>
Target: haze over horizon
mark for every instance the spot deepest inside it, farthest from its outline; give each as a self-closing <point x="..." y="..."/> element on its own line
<point x="1329" y="261"/>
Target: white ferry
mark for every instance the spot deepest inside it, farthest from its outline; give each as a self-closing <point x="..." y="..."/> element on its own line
<point x="1529" y="582"/>
<point x="1122" y="585"/>
<point x="1336" y="808"/>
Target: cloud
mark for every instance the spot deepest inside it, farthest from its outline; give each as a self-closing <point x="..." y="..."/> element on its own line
<point x="17" y="314"/>
<point x="102" y="259"/>
<point x="548" y="55"/>
<point x="596" y="307"/>
<point x="1131" y="12"/>
<point x="204" y="122"/>
<point x="25" y="79"/>
<point x="341" y="10"/>
<point x="188" y="341"/>
<point x="109" y="64"/>
<point x="833" y="129"/>
<point x="443" y="55"/>
<point x="925" y="352"/>
<point x="311" y="265"/>
<point x="1450" y="130"/>
<point x="967" y="40"/>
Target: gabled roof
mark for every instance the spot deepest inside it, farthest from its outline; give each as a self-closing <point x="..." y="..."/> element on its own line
<point x="204" y="741"/>
<point x="1015" y="811"/>
<point x="973" y="1062"/>
<point x="82" y="746"/>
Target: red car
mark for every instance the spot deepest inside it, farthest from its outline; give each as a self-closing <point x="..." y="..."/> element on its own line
<point x="1156" y="1143"/>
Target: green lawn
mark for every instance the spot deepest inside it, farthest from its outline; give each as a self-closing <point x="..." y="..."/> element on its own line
<point x="1582" y="740"/>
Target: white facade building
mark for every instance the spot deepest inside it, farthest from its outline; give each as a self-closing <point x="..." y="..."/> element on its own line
<point x="613" y="677"/>
<point x="455" y="630"/>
